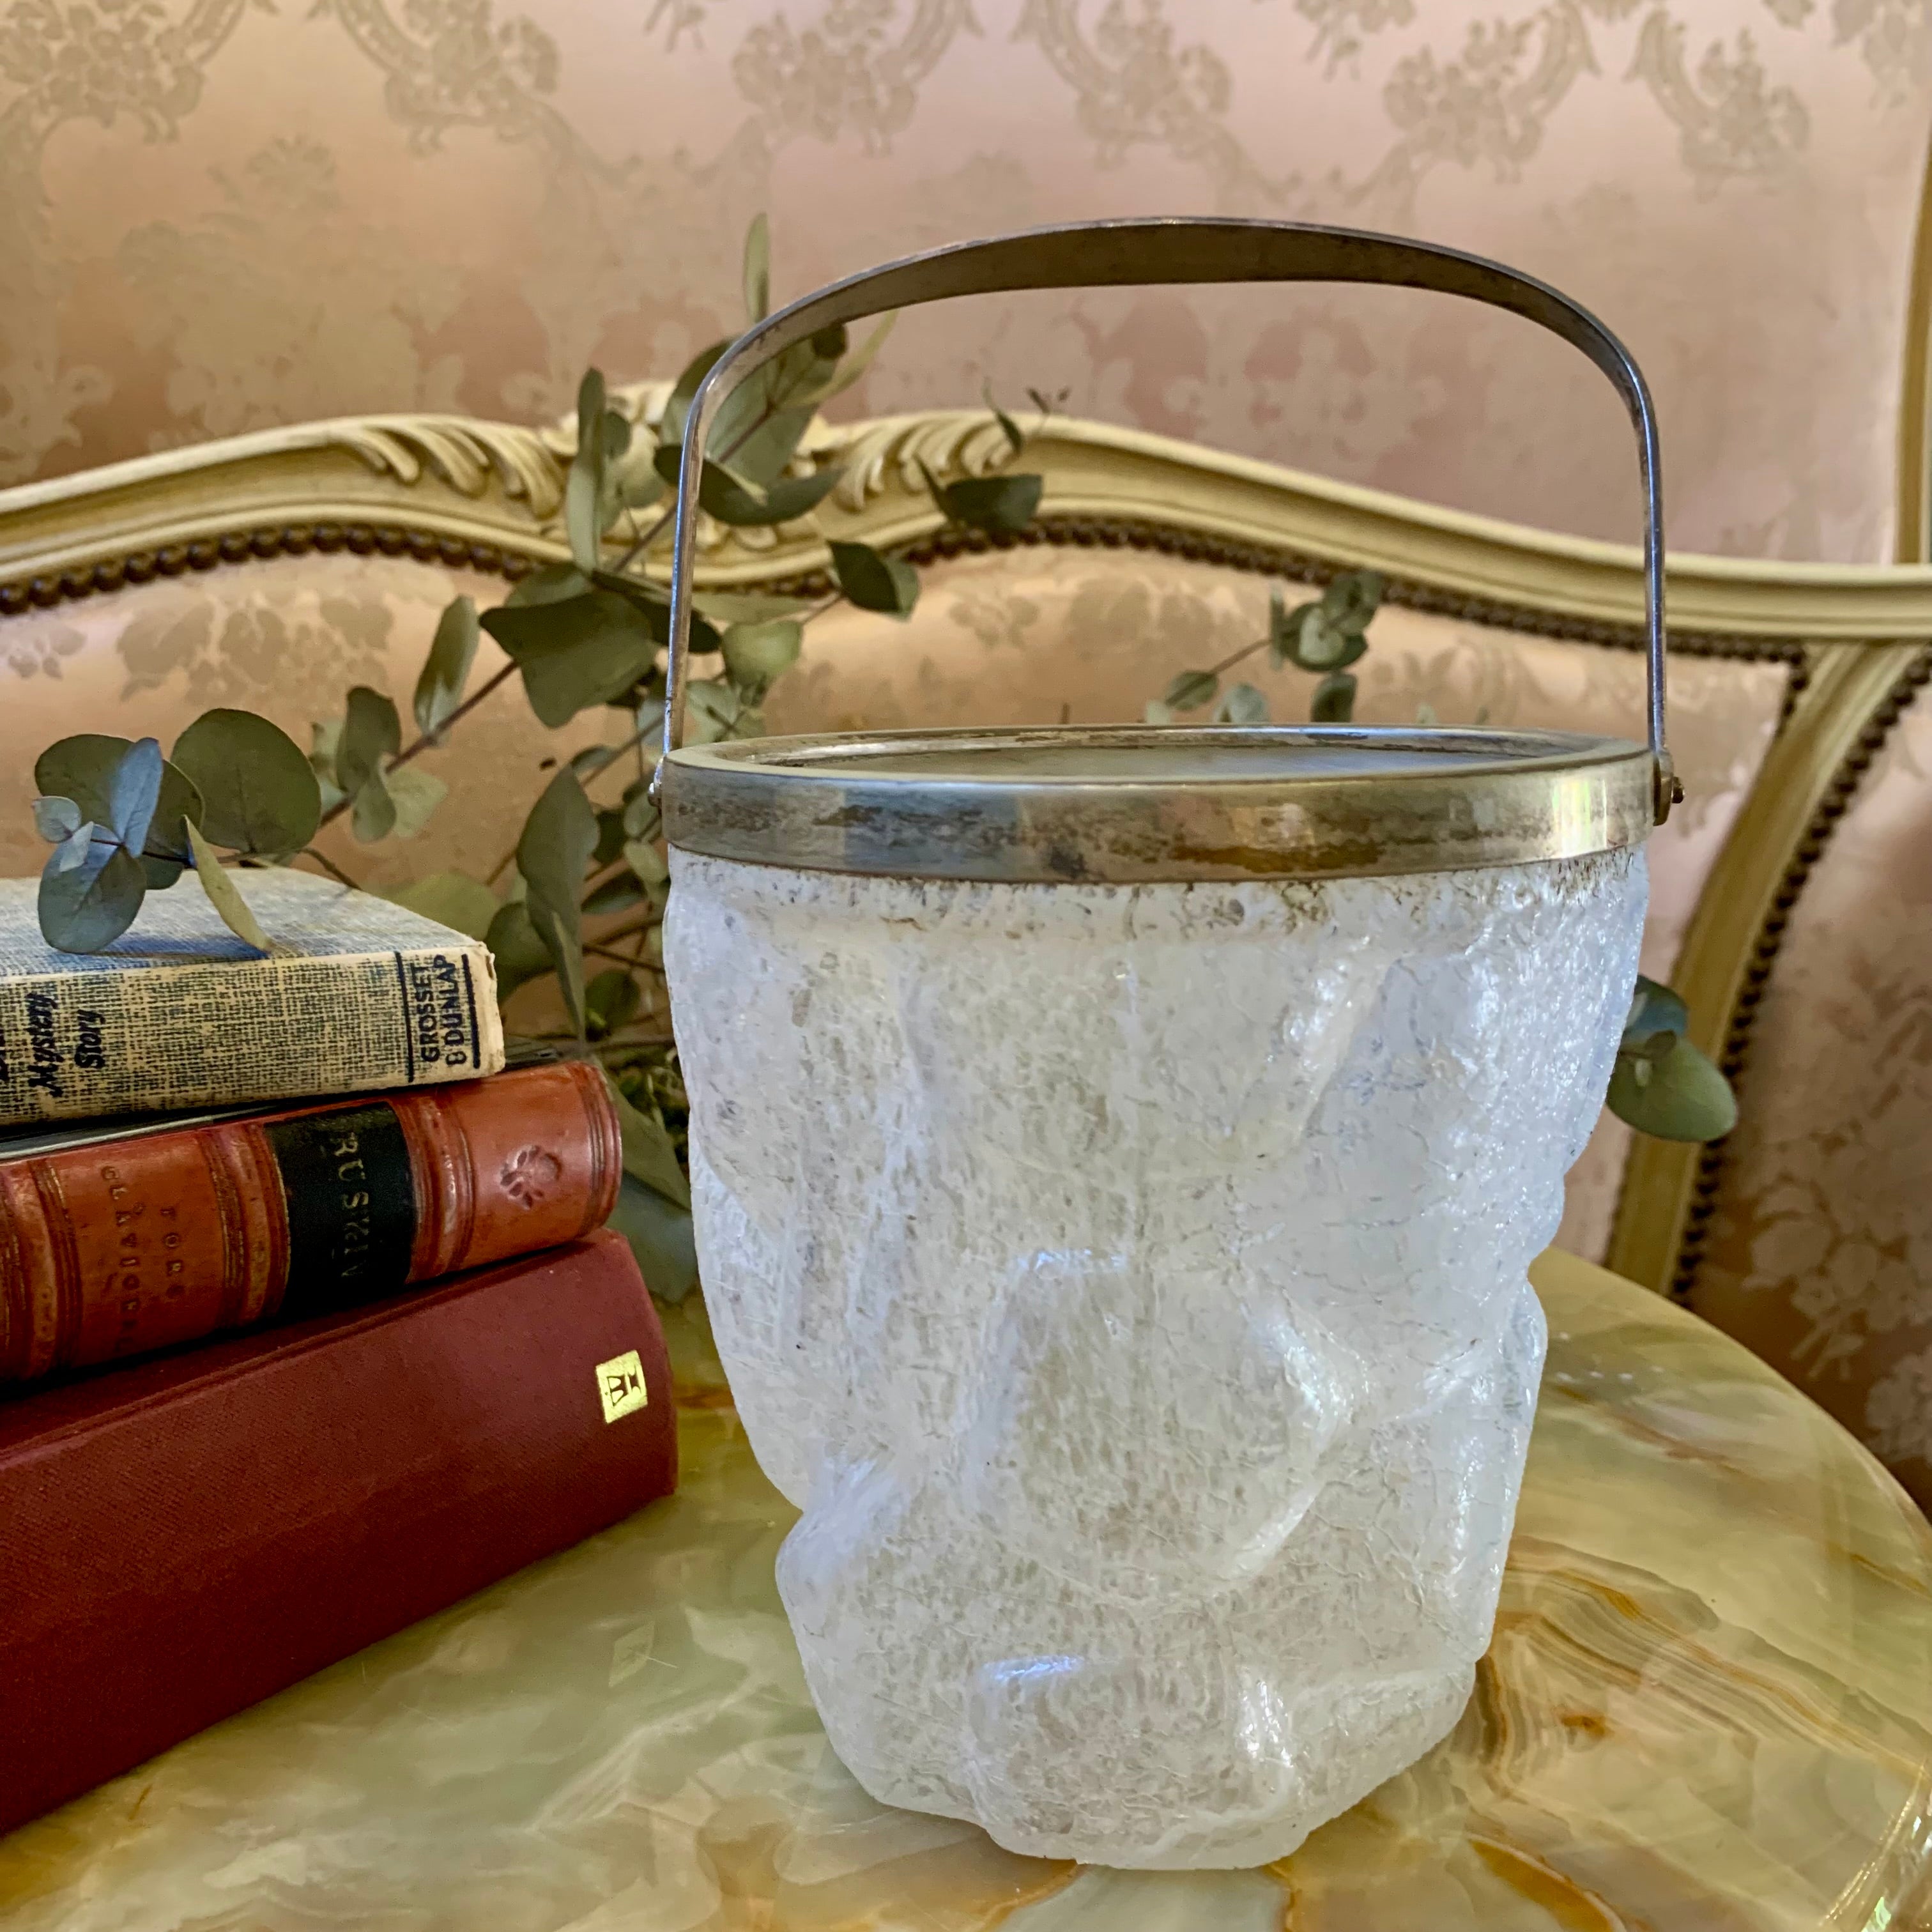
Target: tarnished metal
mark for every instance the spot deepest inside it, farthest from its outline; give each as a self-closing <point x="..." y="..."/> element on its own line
<point x="1134" y="802"/>
<point x="1064" y="804"/>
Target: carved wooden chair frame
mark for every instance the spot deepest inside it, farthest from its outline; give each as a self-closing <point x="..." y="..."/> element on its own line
<point x="1856" y="641"/>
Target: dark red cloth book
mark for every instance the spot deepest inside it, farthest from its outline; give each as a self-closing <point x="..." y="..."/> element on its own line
<point x="120" y="1240"/>
<point x="182" y="1537"/>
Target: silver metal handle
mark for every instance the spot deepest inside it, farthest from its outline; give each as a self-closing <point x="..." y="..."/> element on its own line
<point x="1115" y="254"/>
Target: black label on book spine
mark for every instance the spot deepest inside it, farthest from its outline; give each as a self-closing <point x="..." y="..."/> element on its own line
<point x="351" y="1207"/>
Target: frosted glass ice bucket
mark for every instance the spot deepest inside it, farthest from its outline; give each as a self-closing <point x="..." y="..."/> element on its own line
<point x="1116" y="1154"/>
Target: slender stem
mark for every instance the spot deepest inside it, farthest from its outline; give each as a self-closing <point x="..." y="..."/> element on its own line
<point x="422" y="743"/>
<point x="605" y="953"/>
<point x="657" y="528"/>
<point x="328" y="864"/>
<point x="1229" y="663"/>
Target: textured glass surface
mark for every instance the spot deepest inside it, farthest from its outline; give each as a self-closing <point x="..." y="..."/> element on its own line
<point x="1129" y="1285"/>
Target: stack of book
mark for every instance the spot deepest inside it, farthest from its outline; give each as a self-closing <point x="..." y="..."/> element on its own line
<point x="306" y="1326"/>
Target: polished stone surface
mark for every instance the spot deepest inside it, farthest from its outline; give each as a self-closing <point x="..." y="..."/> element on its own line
<point x="1708" y="1707"/>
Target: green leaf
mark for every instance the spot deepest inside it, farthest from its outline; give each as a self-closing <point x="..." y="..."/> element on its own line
<point x="618" y="893"/>
<point x="645" y="860"/>
<point x="661" y="1238"/>
<point x="640" y="815"/>
<point x="82" y="768"/>
<point x="632" y="481"/>
<point x="576" y="652"/>
<point x="1191" y="690"/>
<point x="553" y="855"/>
<point x="1681" y="1097"/>
<point x="758" y="269"/>
<point x="677" y="404"/>
<point x="1158" y="712"/>
<point x="734" y="502"/>
<point x="325" y="743"/>
<point x="999" y="504"/>
<point x="1243" y="704"/>
<point x="755" y="655"/>
<point x="584" y="487"/>
<point x="1352" y="599"/>
<point x="258" y="792"/>
<point x="875" y="581"/>
<point x="374" y="814"/>
<point x="1318" y="644"/>
<point x="1015" y="442"/>
<point x="610" y="1001"/>
<point x="752" y="607"/>
<point x="760" y="456"/>
<point x="57" y="819"/>
<point x="1334" y="700"/>
<point x="712" y="708"/>
<point x="554" y="583"/>
<point x="91" y="888"/>
<point x="1654" y="1009"/>
<point x="224" y="895"/>
<point x="415" y="795"/>
<point x="451" y="898"/>
<point x="133" y="791"/>
<point x="609" y="834"/>
<point x="844" y="370"/>
<point x="446" y="670"/>
<point x="372" y="734"/>
<point x="649" y="1154"/>
<point x="517" y="947"/>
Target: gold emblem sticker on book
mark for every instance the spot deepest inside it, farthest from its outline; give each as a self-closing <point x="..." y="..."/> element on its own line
<point x="620" y="1385"/>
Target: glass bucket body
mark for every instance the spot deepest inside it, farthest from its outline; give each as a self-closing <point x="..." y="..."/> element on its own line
<point x="1127" y="1282"/>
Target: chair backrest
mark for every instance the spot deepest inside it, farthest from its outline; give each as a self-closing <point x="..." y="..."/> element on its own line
<point x="1790" y="898"/>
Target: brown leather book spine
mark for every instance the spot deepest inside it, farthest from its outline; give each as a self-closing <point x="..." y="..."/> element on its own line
<point x="121" y="1246"/>
<point x="182" y="1537"/>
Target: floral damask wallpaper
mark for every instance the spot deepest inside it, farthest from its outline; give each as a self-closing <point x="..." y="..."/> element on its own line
<point x="216" y="215"/>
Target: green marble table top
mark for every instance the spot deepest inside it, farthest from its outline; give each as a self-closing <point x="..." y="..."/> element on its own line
<point x="1708" y="1706"/>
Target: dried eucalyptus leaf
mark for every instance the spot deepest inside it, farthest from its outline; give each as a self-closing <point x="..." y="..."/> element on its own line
<point x="415" y="795"/>
<point x="647" y="861"/>
<point x="373" y="816"/>
<point x="1010" y="430"/>
<point x="1683" y="1097"/>
<point x="758" y="269"/>
<point x="1242" y="704"/>
<point x="372" y="734"/>
<point x="1158" y="712"/>
<point x="1352" y="599"/>
<point x="640" y="816"/>
<point x="516" y="946"/>
<point x="1284" y="628"/>
<point x="56" y="819"/>
<point x="1191" y="690"/>
<point x="1319" y="644"/>
<point x="554" y="583"/>
<point x="610" y="1001"/>
<point x="1334" y="700"/>
<point x="584" y="487"/>
<point x="999" y="505"/>
<point x="735" y="502"/>
<point x="874" y="581"/>
<point x="576" y="653"/>
<point x="88" y="901"/>
<point x="660" y="1235"/>
<point x="843" y="371"/>
<point x="224" y="895"/>
<point x="711" y="709"/>
<point x="1654" y="1010"/>
<point x="451" y="898"/>
<point x="677" y="404"/>
<point x="748" y="606"/>
<point x="133" y="791"/>
<point x="445" y="671"/>
<point x="553" y="855"/>
<point x="618" y="893"/>
<point x="761" y="456"/>
<point x="258" y="792"/>
<point x="756" y="654"/>
<point x="649" y="1154"/>
<point x="82" y="768"/>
